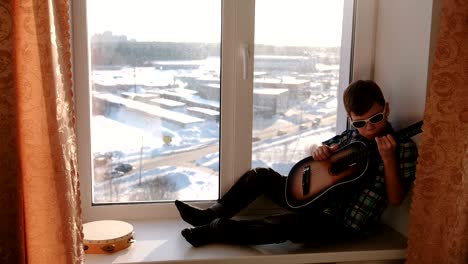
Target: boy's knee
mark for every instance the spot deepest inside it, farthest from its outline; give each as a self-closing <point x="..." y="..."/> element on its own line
<point x="260" y="169"/>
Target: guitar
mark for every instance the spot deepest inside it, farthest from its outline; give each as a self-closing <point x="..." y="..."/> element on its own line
<point x="310" y="180"/>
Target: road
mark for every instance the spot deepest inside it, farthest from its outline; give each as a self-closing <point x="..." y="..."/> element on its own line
<point x="188" y="158"/>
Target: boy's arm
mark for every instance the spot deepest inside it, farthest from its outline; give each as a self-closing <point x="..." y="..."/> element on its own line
<point x="329" y="146"/>
<point x="396" y="173"/>
<point x="396" y="191"/>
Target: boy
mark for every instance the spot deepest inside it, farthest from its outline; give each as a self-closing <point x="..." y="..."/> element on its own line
<point x="355" y="214"/>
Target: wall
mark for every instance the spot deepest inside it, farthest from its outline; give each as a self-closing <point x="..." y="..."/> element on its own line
<point x="404" y="31"/>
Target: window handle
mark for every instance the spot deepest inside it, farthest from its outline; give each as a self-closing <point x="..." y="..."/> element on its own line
<point x="245" y="53"/>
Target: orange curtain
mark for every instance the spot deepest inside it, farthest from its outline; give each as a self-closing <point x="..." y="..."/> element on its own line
<point x="39" y="196"/>
<point x="439" y="213"/>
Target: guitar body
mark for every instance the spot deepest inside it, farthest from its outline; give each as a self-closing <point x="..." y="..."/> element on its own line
<point x="321" y="178"/>
<point x="310" y="180"/>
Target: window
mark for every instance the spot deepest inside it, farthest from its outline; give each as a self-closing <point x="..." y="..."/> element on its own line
<point x="155" y="100"/>
<point x="296" y="78"/>
<point x="175" y="99"/>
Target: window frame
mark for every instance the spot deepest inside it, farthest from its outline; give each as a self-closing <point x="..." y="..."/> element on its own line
<point x="236" y="96"/>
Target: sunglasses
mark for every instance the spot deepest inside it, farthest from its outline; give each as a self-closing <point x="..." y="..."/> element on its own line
<point x="373" y="119"/>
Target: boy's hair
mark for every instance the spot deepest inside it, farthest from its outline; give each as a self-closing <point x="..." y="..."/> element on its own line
<point x="360" y="95"/>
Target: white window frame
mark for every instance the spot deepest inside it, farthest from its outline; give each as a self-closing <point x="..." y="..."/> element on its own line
<point x="236" y="97"/>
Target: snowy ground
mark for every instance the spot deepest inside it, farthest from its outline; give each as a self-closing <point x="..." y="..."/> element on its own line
<point x="197" y="182"/>
<point x="134" y="138"/>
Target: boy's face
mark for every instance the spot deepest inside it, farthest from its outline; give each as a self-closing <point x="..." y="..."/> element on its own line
<point x="372" y="129"/>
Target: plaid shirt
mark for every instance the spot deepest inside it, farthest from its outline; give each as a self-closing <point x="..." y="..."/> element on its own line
<point x="362" y="209"/>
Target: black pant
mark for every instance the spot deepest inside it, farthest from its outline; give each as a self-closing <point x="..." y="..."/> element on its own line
<point x="297" y="226"/>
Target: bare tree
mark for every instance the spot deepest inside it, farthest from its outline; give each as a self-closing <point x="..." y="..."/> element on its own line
<point x="160" y="188"/>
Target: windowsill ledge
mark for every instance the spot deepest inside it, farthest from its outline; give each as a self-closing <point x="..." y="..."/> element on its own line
<point x="159" y="241"/>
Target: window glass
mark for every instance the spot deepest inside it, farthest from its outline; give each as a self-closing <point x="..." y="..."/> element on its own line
<point x="296" y="78"/>
<point x="155" y="99"/>
<point x="155" y="89"/>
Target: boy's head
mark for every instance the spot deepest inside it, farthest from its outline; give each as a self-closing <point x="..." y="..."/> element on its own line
<point x="366" y="107"/>
<point x="361" y="95"/>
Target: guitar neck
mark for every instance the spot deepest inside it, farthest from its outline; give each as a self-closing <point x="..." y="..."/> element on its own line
<point x="369" y="149"/>
<point x="408" y="132"/>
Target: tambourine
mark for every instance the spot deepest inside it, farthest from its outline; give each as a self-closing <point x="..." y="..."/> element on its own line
<point x="107" y="236"/>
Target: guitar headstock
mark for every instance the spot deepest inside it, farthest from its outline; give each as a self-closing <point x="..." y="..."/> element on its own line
<point x="409" y="131"/>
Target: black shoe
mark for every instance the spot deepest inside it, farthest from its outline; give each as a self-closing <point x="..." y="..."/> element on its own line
<point x="206" y="234"/>
<point x="194" y="215"/>
<point x="195" y="236"/>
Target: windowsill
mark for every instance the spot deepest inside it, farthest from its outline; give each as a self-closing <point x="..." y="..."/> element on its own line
<point x="159" y="241"/>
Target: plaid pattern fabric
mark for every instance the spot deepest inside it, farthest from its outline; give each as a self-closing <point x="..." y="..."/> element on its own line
<point x="362" y="210"/>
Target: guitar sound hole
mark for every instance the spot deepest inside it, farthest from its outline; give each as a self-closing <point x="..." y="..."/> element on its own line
<point x="337" y="167"/>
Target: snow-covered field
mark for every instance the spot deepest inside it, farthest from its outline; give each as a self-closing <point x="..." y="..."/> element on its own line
<point x="124" y="135"/>
<point x="197" y="182"/>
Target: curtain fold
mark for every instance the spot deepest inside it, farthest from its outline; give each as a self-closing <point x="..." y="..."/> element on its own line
<point x="438" y="230"/>
<point x="11" y="228"/>
<point x="39" y="190"/>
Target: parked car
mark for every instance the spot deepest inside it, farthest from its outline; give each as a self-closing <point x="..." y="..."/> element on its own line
<point x="281" y="132"/>
<point x="255" y="139"/>
<point x="316" y="122"/>
<point x="124" y="167"/>
<point x="114" y="174"/>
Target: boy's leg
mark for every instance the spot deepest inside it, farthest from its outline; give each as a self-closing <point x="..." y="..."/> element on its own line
<point x="247" y="232"/>
<point x="316" y="228"/>
<point x="253" y="184"/>
<point x="249" y="187"/>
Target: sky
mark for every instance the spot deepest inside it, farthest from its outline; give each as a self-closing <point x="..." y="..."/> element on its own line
<point x="278" y="22"/>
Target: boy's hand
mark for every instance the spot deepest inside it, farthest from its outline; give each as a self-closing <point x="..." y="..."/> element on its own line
<point x="324" y="152"/>
<point x="386" y="146"/>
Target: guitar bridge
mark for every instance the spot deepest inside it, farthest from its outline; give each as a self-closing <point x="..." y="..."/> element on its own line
<point x="306" y="180"/>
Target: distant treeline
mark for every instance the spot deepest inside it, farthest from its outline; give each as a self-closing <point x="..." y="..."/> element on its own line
<point x="119" y="53"/>
<point x="143" y="53"/>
